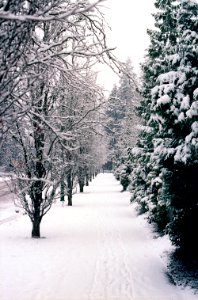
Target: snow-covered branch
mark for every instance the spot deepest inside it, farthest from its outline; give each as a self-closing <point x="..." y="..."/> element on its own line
<point x="51" y="16"/>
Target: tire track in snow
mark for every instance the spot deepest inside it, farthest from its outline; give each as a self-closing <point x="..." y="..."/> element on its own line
<point x="112" y="277"/>
<point x="11" y="218"/>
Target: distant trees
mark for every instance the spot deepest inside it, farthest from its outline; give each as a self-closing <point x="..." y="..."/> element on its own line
<point x="122" y="122"/>
<point x="50" y="102"/>
<point x="165" y="158"/>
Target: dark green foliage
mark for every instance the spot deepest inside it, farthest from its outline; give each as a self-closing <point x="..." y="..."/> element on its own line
<point x="183" y="270"/>
<point x="159" y="216"/>
<point x="165" y="160"/>
<point x="124" y="177"/>
<point x="184" y="209"/>
<point x="178" y="137"/>
<point x="146" y="177"/>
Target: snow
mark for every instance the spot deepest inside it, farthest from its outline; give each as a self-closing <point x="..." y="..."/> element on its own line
<point x="181" y="117"/>
<point x="193" y="111"/>
<point x="136" y="151"/>
<point x="99" y="249"/>
<point x="195" y="127"/>
<point x="168" y="77"/>
<point x="164" y="100"/>
<point x="185" y="104"/>
<point x="196" y="92"/>
<point x="174" y="58"/>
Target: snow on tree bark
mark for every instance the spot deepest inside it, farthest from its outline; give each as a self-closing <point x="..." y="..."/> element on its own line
<point x="50" y="67"/>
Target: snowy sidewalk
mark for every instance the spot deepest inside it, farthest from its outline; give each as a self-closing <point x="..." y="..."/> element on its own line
<point x="96" y="250"/>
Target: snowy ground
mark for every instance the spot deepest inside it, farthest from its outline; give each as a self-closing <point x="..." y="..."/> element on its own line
<point x="8" y="211"/>
<point x="96" y="250"/>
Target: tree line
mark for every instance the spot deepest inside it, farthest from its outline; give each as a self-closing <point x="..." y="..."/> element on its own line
<point x="51" y="106"/>
<point x="161" y="168"/>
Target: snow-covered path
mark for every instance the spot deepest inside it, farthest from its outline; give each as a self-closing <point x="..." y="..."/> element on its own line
<point x="96" y="250"/>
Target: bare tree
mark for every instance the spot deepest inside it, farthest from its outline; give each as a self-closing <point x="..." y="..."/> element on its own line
<point x="53" y="100"/>
<point x="74" y="29"/>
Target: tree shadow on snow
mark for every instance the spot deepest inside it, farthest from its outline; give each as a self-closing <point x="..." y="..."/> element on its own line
<point x="183" y="270"/>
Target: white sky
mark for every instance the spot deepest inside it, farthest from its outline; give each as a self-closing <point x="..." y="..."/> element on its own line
<point x="129" y="20"/>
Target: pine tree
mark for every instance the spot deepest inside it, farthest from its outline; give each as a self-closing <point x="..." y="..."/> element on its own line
<point x="175" y="106"/>
<point x="146" y="175"/>
<point x="114" y="114"/>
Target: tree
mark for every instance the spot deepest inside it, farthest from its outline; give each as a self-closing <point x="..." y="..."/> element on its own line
<point x="43" y="123"/>
<point x="20" y="25"/>
<point x="165" y="159"/>
<point x="15" y="38"/>
<point x="35" y="176"/>
<point x="122" y="122"/>
<point x="147" y="172"/>
<point x="84" y="102"/>
<point x="175" y="103"/>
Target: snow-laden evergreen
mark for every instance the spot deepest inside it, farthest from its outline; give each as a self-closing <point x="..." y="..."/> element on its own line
<point x="176" y="141"/>
<point x="146" y="176"/>
<point x="165" y="160"/>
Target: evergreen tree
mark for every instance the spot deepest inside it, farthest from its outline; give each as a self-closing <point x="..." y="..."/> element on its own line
<point x="146" y="175"/>
<point x="165" y="160"/>
<point x="114" y="114"/>
<point x="175" y="107"/>
<point x="128" y="91"/>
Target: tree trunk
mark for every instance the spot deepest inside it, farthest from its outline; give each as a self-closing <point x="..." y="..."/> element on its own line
<point x="81" y="187"/>
<point x="36" y="227"/>
<point x="69" y="197"/>
<point x="69" y="188"/>
<point x="37" y="214"/>
<point x="62" y="190"/>
<point x="81" y="179"/>
<point x="87" y="180"/>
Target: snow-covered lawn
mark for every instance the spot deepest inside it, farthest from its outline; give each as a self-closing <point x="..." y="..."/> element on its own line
<point x="96" y="250"/>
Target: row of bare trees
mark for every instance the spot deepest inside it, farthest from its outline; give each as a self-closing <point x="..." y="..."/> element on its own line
<point x="50" y="102"/>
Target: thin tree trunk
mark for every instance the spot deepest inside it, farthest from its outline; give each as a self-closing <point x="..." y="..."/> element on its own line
<point x="69" y="197"/>
<point x="87" y="180"/>
<point x="37" y="199"/>
<point x="62" y="191"/>
<point x="69" y="187"/>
